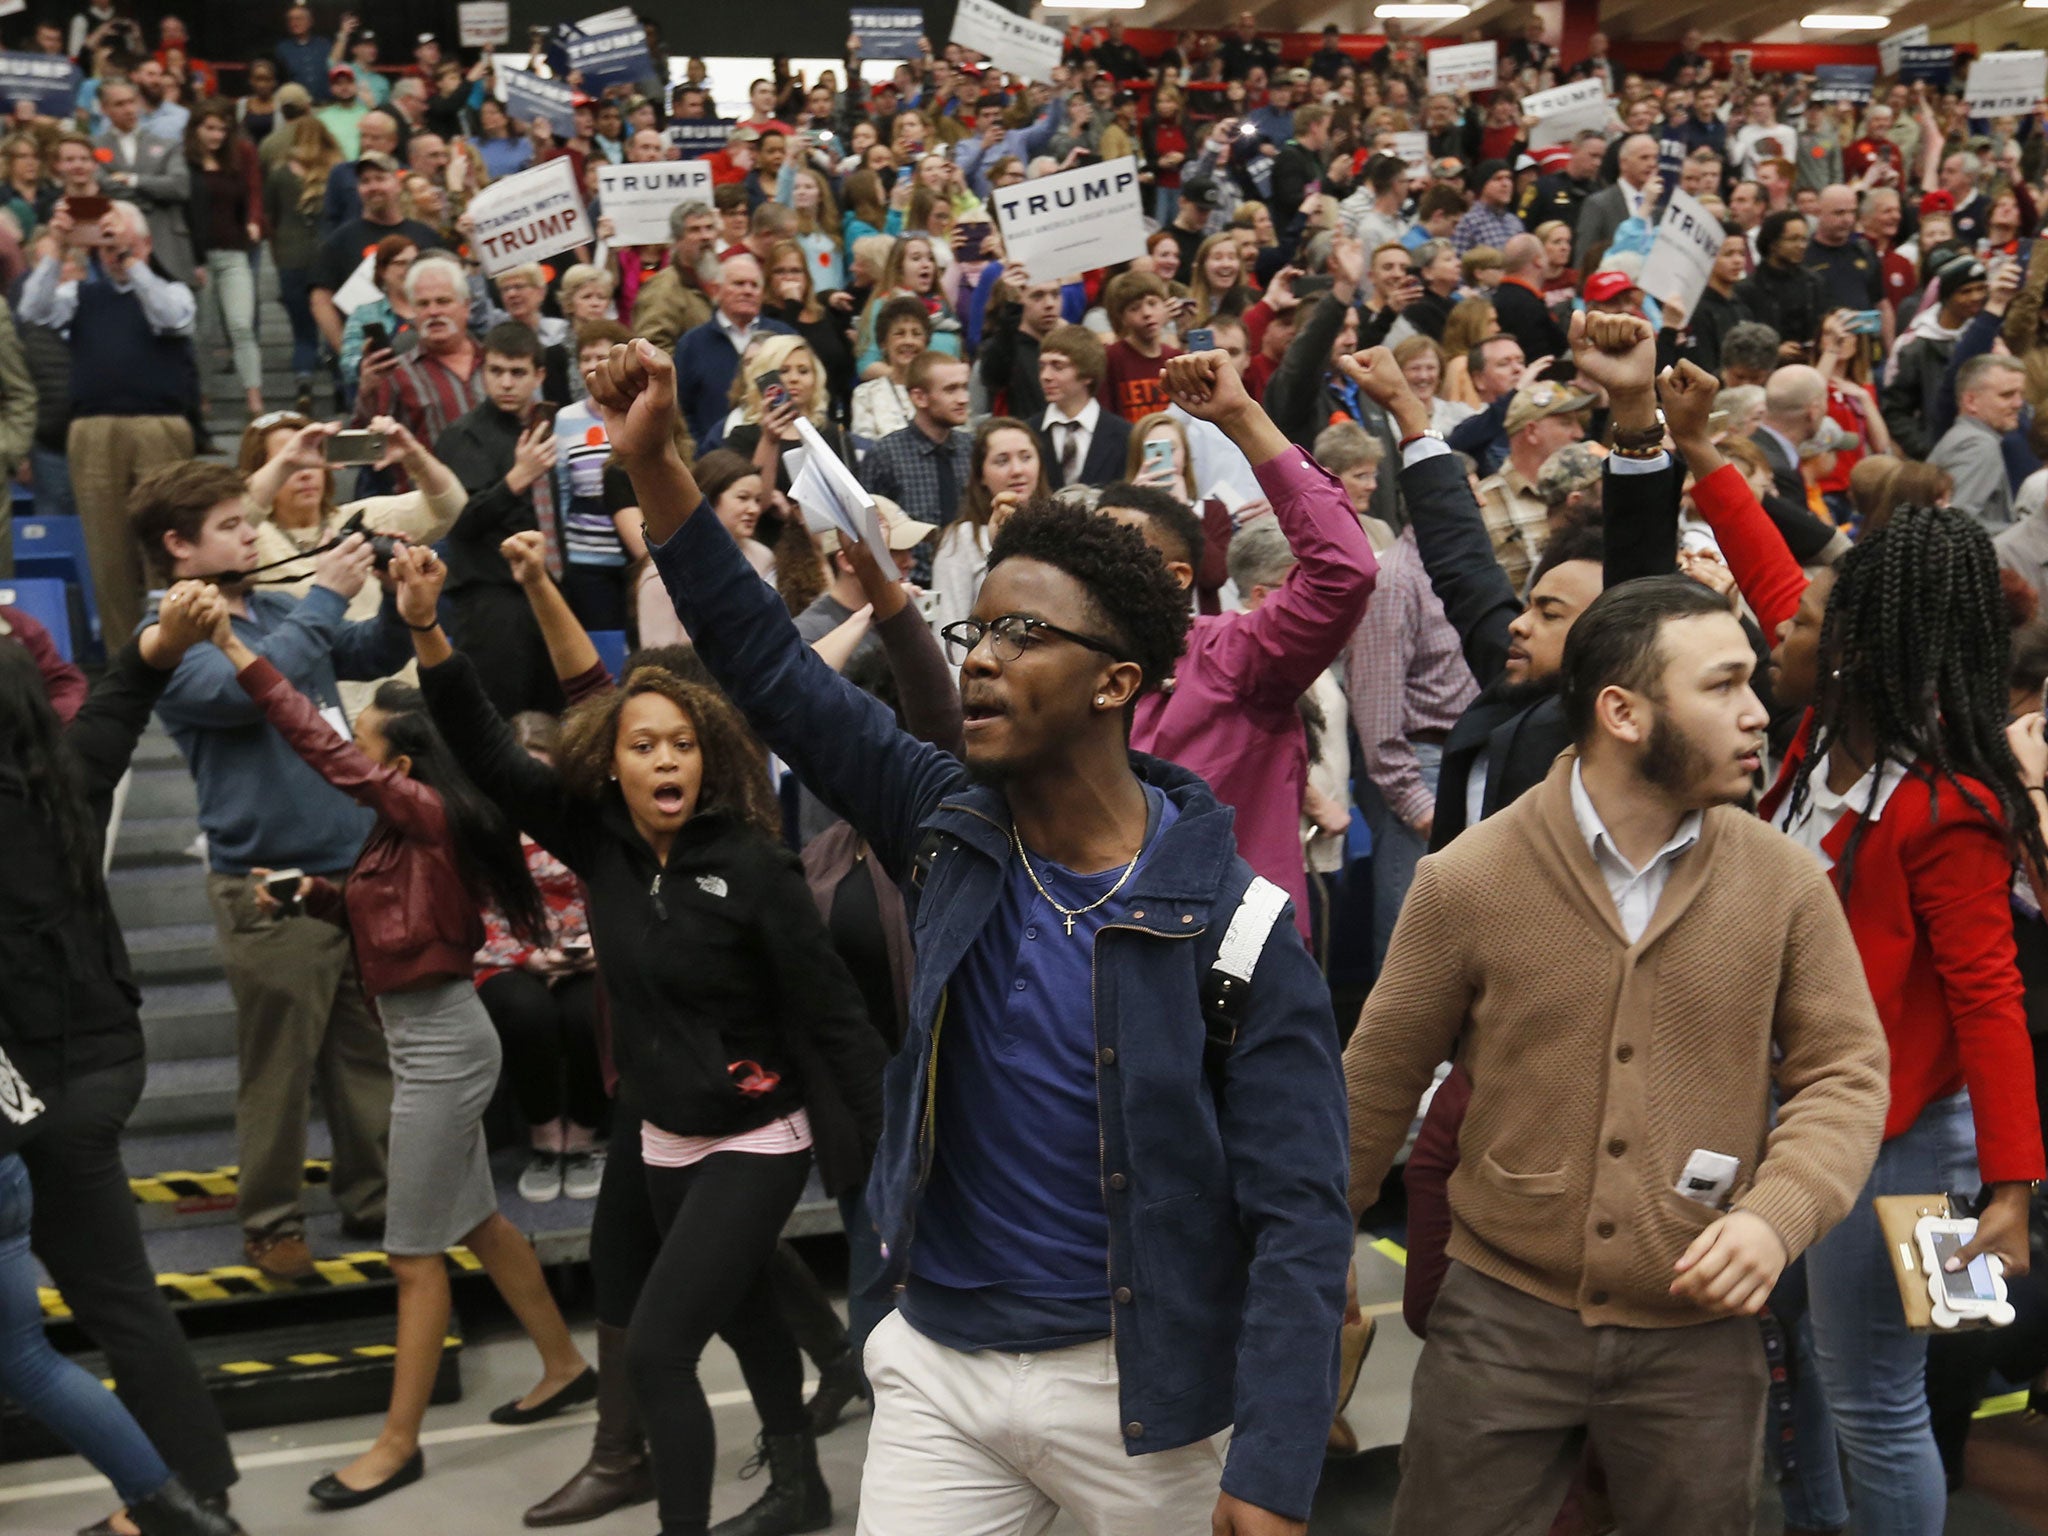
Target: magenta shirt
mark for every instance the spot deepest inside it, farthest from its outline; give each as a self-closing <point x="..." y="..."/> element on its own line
<point x="1232" y="713"/>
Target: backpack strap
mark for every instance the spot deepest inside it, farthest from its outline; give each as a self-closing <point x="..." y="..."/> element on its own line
<point x="1228" y="981"/>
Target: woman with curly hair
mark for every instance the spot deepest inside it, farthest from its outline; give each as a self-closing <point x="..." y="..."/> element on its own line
<point x="740" y="1039"/>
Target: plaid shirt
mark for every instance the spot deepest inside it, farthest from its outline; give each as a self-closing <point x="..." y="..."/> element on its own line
<point x="905" y="467"/>
<point x="1484" y="226"/>
<point x="1405" y="672"/>
<point x="425" y="396"/>
<point x="1516" y="520"/>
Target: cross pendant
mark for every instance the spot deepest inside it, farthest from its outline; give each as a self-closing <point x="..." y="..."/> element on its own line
<point x="1070" y="925"/>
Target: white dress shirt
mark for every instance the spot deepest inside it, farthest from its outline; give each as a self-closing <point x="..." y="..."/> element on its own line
<point x="1635" y="891"/>
<point x="1082" y="432"/>
<point x="1822" y="809"/>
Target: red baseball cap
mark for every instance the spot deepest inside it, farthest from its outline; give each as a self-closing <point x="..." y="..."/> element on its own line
<point x="1551" y="158"/>
<point x="1605" y="287"/>
<point x="1938" y="202"/>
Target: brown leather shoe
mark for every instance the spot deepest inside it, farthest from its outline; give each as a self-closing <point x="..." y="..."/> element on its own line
<point x="618" y="1472"/>
<point x="281" y="1255"/>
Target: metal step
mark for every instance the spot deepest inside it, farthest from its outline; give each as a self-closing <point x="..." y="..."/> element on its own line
<point x="165" y="791"/>
<point x="173" y="952"/>
<point x="156" y="840"/>
<point x="182" y="1020"/>
<point x="157" y="750"/>
<point x="159" y="895"/>
<point x="283" y="1375"/>
<point x="190" y="1095"/>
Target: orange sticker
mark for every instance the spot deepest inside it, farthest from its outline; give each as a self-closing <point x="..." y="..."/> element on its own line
<point x="104" y="156"/>
<point x="594" y="436"/>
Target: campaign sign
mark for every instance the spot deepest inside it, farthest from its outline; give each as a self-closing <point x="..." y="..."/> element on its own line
<point x="1891" y="50"/>
<point x="888" y="33"/>
<point x="1413" y="147"/>
<point x="1074" y="221"/>
<point x="1843" y="82"/>
<point x="1565" y="112"/>
<point x="638" y="198"/>
<point x="530" y="216"/>
<point x="50" y="82"/>
<point x="1007" y="40"/>
<point x="698" y="136"/>
<point x="1682" y="259"/>
<point x="608" y="50"/>
<point x="530" y="96"/>
<point x="2002" y="84"/>
<point x="484" y="23"/>
<point x="1935" y="65"/>
<point x="1464" y="67"/>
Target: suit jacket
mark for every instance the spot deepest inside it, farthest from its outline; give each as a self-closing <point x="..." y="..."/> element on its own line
<point x="1519" y="731"/>
<point x="1108" y="449"/>
<point x="163" y="188"/>
<point x="705" y="364"/>
<point x="1784" y="471"/>
<point x="1599" y="217"/>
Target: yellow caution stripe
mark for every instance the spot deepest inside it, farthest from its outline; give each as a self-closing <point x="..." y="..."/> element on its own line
<point x="230" y="1281"/>
<point x="206" y="1188"/>
<point x="360" y="1352"/>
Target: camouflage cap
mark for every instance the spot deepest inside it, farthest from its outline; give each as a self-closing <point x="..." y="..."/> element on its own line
<point x="1574" y="467"/>
<point x="1545" y="397"/>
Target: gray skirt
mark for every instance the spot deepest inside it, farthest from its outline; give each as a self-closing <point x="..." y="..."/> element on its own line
<point x="444" y="1068"/>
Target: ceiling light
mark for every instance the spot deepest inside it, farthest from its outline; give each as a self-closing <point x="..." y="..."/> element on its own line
<point x="1825" y="21"/>
<point x="1420" y="12"/>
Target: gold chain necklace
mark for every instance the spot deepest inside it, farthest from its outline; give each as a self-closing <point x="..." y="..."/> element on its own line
<point x="1070" y="913"/>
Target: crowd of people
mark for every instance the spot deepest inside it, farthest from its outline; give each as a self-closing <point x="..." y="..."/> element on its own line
<point x="1639" y="692"/>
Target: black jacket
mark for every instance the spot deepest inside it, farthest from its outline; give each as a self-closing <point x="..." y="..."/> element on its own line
<point x="1908" y="401"/>
<point x="479" y="447"/>
<point x="1520" y="731"/>
<point x="1524" y="316"/>
<point x="715" y="958"/>
<point x="1009" y="363"/>
<point x="1787" y="299"/>
<point x="69" y="1004"/>
<point x="1301" y="403"/>
<point x="1713" y="319"/>
<point x="1109" y="450"/>
<point x="1559" y="196"/>
<point x="1295" y="170"/>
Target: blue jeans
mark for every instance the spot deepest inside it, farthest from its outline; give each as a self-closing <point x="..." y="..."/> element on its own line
<point x="295" y="292"/>
<point x="1166" y="204"/>
<point x="864" y="1266"/>
<point x="1873" y="1371"/>
<point x="52" y="472"/>
<point x="62" y="1396"/>
<point x="1396" y="849"/>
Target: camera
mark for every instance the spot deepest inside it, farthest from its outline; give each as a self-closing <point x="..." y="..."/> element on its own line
<point x="382" y="545"/>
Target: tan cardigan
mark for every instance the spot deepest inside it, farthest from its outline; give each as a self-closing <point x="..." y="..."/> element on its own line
<point x="1599" y="1066"/>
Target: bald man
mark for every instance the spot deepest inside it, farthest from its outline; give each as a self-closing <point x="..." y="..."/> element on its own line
<point x="1518" y="301"/>
<point x="1851" y="276"/>
<point x="1795" y="403"/>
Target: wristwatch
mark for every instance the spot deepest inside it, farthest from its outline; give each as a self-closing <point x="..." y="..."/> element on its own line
<point x="1640" y="442"/>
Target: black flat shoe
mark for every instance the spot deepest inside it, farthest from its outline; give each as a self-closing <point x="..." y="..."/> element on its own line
<point x="582" y="1390"/>
<point x="332" y="1493"/>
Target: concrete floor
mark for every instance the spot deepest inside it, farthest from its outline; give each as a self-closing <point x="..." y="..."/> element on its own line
<point x="480" y="1476"/>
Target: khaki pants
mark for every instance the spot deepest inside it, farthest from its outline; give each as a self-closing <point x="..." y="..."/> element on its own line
<point x="109" y="456"/>
<point x="300" y="1014"/>
<point x="991" y="1444"/>
<point x="1509" y="1388"/>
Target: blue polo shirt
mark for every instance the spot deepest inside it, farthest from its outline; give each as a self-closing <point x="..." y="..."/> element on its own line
<point x="1012" y="1249"/>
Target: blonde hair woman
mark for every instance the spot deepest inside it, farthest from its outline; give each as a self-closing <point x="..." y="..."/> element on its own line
<point x="1217" y="282"/>
<point x="586" y="294"/>
<point x="764" y="433"/>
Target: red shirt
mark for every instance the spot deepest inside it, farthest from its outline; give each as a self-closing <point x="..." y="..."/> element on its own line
<point x="1131" y="382"/>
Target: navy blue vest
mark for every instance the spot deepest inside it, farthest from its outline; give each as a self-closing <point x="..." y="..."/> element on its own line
<point x="119" y="366"/>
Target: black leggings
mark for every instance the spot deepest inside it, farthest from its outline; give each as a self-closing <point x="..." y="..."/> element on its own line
<point x="550" y="1040"/>
<point x="86" y="1233"/>
<point x="624" y="1240"/>
<point x="719" y="1222"/>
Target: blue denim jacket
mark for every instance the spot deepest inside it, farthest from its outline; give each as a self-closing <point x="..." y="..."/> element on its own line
<point x="1229" y="1231"/>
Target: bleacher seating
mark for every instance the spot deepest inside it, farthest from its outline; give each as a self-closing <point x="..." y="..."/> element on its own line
<point x="55" y="547"/>
<point x="43" y="599"/>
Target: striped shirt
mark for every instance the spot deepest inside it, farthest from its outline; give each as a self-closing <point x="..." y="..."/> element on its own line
<point x="581" y="448"/>
<point x="1405" y="673"/>
<point x="425" y="396"/>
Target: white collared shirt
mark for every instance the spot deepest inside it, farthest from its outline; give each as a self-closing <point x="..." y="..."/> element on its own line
<point x="1083" y="432"/>
<point x="1823" y="809"/>
<point x="129" y="144"/>
<point x="1636" y="892"/>
<point x="738" y="335"/>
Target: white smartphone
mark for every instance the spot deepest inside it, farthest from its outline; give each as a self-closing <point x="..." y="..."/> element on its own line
<point x="1977" y="1290"/>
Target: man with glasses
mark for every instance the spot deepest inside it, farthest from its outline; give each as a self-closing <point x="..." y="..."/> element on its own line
<point x="1115" y="1238"/>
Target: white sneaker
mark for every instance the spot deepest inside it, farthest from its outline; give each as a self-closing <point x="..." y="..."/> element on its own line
<point x="542" y="1180"/>
<point x="583" y="1174"/>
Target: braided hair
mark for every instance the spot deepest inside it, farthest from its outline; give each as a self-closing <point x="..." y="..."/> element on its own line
<point x="1915" y="645"/>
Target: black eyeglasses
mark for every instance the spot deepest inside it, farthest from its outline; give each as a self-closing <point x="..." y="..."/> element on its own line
<point x="1011" y="633"/>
